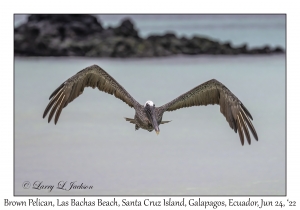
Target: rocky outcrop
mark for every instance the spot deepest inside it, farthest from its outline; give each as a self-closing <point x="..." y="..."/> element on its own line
<point x="83" y="35"/>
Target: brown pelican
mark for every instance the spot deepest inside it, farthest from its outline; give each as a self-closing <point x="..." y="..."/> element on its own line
<point x="148" y="116"/>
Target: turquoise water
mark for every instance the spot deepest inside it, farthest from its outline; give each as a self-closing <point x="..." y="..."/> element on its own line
<point x="255" y="30"/>
<point x="195" y="154"/>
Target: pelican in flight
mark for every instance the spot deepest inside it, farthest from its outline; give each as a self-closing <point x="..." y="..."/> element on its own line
<point x="148" y="116"/>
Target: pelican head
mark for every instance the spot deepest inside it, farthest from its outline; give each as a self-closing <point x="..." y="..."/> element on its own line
<point x="150" y="103"/>
<point x="150" y="111"/>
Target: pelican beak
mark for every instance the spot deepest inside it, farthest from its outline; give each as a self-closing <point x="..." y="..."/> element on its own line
<point x="155" y="125"/>
<point x="150" y="112"/>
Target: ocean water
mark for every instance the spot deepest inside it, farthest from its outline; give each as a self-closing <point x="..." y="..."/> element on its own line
<point x="195" y="154"/>
<point x="255" y="30"/>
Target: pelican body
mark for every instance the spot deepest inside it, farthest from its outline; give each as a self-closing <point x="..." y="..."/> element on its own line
<point x="148" y="116"/>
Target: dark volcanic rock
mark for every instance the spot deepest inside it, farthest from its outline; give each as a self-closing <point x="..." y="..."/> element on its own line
<point x="83" y="35"/>
<point x="278" y="50"/>
<point x="45" y="35"/>
<point x="126" y="29"/>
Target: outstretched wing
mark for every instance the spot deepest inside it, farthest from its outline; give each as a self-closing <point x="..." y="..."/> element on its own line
<point x="92" y="76"/>
<point x="214" y="92"/>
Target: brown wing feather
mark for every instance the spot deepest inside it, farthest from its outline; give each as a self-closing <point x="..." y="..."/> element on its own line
<point x="92" y="76"/>
<point x="214" y="92"/>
